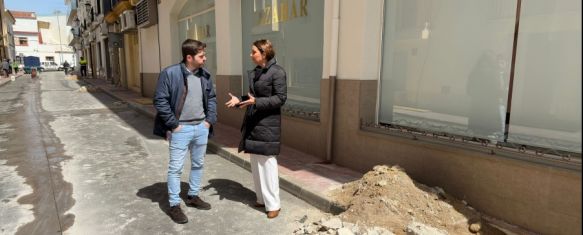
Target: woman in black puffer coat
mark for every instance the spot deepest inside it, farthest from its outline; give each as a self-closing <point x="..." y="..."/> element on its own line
<point x="261" y="130"/>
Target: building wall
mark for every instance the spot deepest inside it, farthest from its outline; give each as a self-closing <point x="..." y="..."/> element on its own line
<point x="169" y="44"/>
<point x="30" y="27"/>
<point x="535" y="196"/>
<point x="31" y="49"/>
<point x="150" y="59"/>
<point x="519" y="192"/>
<point x="228" y="28"/>
<point x="25" y="25"/>
<point x="132" y="57"/>
<point x="4" y="51"/>
<point x="7" y="20"/>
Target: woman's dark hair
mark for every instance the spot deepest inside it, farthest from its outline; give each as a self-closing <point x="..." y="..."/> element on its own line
<point x="265" y="46"/>
<point x="191" y="47"/>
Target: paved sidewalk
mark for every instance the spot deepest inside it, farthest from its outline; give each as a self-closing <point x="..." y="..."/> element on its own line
<point x="300" y="174"/>
<point x="4" y="80"/>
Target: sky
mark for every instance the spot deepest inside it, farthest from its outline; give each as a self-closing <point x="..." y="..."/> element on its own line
<point x="41" y="7"/>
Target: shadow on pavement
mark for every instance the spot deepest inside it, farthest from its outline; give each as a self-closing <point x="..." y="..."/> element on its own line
<point x="121" y="108"/>
<point x="233" y="191"/>
<point x="158" y="193"/>
<point x="225" y="189"/>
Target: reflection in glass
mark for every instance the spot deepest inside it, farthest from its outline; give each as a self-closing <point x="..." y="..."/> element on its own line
<point x="295" y="28"/>
<point x="197" y="22"/>
<point x="546" y="103"/>
<point x="445" y="65"/>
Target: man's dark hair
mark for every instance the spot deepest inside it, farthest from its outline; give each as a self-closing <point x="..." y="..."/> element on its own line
<point x="191" y="47"/>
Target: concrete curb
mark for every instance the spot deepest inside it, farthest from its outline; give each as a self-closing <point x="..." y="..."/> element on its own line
<point x="286" y="184"/>
<point x="5" y="81"/>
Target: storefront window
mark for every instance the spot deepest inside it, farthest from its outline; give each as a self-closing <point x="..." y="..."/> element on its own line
<point x="446" y="66"/>
<point x="546" y="103"/>
<point x="197" y="21"/>
<point x="295" y="27"/>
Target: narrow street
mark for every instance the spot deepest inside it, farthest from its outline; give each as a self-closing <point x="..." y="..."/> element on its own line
<point x="78" y="162"/>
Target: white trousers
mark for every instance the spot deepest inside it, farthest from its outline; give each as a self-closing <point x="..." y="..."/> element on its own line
<point x="266" y="180"/>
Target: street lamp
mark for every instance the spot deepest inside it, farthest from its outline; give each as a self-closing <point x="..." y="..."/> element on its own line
<point x="57" y="12"/>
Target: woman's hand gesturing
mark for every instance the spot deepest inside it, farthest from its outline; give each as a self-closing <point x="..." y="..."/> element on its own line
<point x="250" y="101"/>
<point x="234" y="101"/>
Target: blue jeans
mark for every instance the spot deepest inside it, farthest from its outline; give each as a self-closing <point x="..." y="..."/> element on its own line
<point x="195" y="139"/>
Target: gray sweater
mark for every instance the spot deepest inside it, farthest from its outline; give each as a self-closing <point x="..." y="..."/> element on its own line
<point x="193" y="111"/>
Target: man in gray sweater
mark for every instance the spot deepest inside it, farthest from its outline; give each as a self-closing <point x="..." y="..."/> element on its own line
<point x="185" y="102"/>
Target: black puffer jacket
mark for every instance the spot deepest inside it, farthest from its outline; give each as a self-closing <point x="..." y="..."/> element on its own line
<point x="261" y="130"/>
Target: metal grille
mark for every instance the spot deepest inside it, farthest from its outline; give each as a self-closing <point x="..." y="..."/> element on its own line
<point x="143" y="12"/>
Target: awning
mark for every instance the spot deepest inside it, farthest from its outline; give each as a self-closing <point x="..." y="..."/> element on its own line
<point x="74" y="41"/>
<point x="72" y="16"/>
<point x="120" y="7"/>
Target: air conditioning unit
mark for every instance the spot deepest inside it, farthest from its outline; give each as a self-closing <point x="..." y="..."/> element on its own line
<point x="103" y="28"/>
<point x="146" y="13"/>
<point x="128" y="20"/>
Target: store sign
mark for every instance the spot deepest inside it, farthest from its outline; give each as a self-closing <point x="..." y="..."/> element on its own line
<point x="282" y="11"/>
<point x="200" y="32"/>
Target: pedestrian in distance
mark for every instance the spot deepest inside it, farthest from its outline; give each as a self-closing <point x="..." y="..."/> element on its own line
<point x="261" y="130"/>
<point x="14" y="67"/>
<point x="83" y="64"/>
<point x="66" y="67"/>
<point x="6" y="67"/>
<point x="186" y="107"/>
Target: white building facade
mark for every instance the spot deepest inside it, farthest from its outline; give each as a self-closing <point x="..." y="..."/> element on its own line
<point x="42" y="36"/>
<point x="55" y="40"/>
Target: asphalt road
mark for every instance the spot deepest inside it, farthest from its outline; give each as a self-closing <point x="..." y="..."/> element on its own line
<point x="76" y="162"/>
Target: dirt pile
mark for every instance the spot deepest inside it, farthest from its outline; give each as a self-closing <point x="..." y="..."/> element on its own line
<point x="387" y="197"/>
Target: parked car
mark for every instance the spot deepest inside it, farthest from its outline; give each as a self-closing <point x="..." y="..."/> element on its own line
<point x="50" y="66"/>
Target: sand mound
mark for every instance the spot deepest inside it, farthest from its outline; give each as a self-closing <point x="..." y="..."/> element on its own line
<point x="387" y="197"/>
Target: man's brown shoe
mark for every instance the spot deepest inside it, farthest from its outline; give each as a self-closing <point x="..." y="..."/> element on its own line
<point x="177" y="215"/>
<point x="257" y="204"/>
<point x="196" y="202"/>
<point x="272" y="214"/>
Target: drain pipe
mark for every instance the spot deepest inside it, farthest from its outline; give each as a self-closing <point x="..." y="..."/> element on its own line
<point x="332" y="85"/>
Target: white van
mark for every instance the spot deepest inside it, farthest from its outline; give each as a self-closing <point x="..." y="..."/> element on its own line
<point x="49" y="65"/>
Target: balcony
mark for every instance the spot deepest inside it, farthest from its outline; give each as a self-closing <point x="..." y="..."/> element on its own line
<point x="72" y="11"/>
